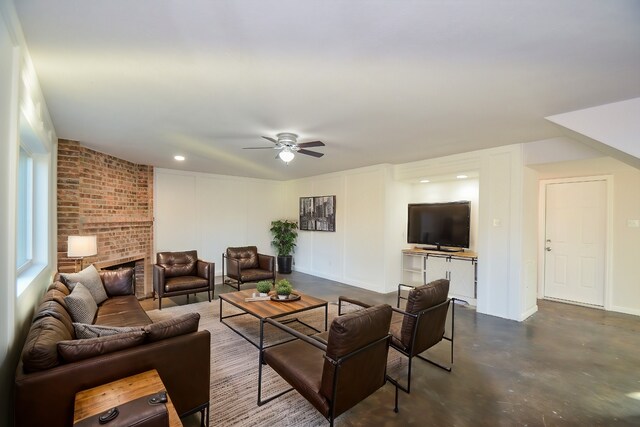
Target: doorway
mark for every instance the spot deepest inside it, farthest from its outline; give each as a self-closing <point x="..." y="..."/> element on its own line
<point x="575" y="229"/>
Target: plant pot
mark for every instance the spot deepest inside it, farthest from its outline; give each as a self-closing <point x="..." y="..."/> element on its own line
<point x="284" y="264"/>
<point x="263" y="294"/>
<point x="283" y="296"/>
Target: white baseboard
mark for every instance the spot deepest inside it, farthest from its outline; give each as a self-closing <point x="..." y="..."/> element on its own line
<point x="625" y="310"/>
<point x="528" y="313"/>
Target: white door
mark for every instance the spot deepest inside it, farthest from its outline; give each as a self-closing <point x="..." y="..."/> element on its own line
<point x="575" y="241"/>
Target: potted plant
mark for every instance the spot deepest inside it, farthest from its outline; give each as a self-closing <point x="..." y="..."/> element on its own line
<point x="263" y="287"/>
<point x="284" y="240"/>
<point x="283" y="288"/>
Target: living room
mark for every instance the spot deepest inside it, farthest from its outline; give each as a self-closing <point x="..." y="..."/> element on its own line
<point x="217" y="208"/>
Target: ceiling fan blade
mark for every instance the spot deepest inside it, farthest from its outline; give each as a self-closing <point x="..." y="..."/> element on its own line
<point x="310" y="153"/>
<point x="275" y="141"/>
<point x="257" y="148"/>
<point x="311" y="144"/>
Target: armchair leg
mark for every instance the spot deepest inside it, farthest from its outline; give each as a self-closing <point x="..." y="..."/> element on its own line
<point x="395" y="409"/>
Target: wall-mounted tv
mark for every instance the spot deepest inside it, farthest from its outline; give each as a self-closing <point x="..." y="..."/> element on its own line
<point x="440" y="224"/>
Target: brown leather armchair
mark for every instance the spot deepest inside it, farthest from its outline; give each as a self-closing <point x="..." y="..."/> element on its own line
<point x="330" y="376"/>
<point x="421" y="325"/>
<point x="181" y="273"/>
<point x="245" y="265"/>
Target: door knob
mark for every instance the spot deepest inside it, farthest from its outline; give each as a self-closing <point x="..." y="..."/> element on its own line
<point x="548" y="249"/>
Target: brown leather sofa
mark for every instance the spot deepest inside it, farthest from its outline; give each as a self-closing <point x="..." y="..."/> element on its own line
<point x="245" y="265"/>
<point x="181" y="273"/>
<point x="46" y="384"/>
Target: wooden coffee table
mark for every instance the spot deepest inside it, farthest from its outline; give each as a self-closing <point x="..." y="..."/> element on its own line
<point x="270" y="309"/>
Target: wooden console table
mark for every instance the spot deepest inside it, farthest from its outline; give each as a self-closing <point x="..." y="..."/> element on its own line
<point x="99" y="399"/>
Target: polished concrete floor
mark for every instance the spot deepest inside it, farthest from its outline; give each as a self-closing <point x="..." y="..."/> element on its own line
<point x="564" y="366"/>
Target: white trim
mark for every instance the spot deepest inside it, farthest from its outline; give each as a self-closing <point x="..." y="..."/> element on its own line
<point x="625" y="310"/>
<point x="608" y="258"/>
<point x="528" y="313"/>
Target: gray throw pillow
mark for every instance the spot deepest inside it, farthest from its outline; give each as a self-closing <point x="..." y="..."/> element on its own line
<point x="84" y="330"/>
<point x="90" y="278"/>
<point x="81" y="304"/>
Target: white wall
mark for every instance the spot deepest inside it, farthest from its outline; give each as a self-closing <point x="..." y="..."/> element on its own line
<point x="20" y="94"/>
<point x="624" y="292"/>
<point x="355" y="252"/>
<point x="210" y="212"/>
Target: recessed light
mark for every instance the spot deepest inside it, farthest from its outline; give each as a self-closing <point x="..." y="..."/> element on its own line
<point x="462" y="176"/>
<point x="424" y="181"/>
<point x="179" y="158"/>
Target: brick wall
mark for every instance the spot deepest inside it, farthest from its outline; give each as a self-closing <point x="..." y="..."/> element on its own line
<point x="103" y="195"/>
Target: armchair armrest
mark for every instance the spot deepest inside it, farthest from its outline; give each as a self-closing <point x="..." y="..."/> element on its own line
<point x="350" y="301"/>
<point x="266" y="262"/>
<point x="233" y="265"/>
<point x="303" y="337"/>
<point x="158" y="279"/>
<point x="206" y="270"/>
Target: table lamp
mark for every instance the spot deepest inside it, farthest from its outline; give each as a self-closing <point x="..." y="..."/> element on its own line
<point x="79" y="247"/>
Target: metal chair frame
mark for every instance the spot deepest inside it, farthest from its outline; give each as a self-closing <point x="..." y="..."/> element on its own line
<point x="409" y="351"/>
<point x="337" y="363"/>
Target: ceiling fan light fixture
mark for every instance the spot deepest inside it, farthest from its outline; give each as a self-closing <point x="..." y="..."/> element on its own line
<point x="286" y="155"/>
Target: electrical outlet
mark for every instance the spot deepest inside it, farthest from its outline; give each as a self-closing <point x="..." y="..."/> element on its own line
<point x="633" y="223"/>
<point x="497" y="222"/>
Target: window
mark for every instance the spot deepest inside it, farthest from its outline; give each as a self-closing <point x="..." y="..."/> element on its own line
<point x="24" y="219"/>
<point x="32" y="205"/>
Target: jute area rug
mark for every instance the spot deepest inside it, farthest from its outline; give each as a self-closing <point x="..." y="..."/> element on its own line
<point x="234" y="370"/>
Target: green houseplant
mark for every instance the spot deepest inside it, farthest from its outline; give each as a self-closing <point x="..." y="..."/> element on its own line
<point x="284" y="240"/>
<point x="283" y="288"/>
<point x="263" y="287"/>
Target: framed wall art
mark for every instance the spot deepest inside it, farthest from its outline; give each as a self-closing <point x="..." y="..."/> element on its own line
<point x="318" y="213"/>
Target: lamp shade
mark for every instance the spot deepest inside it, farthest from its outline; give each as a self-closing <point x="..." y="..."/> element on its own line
<point x="81" y="246"/>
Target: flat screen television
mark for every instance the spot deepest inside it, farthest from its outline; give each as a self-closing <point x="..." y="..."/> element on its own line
<point x="440" y="224"/>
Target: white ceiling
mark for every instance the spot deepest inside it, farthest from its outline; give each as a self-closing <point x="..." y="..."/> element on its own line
<point x="377" y="81"/>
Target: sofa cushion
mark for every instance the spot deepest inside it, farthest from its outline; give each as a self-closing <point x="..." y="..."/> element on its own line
<point x="84" y="330"/>
<point x="81" y="304"/>
<point x="55" y="295"/>
<point x="57" y="311"/>
<point x="74" y="350"/>
<point x="59" y="286"/>
<point x="40" y="350"/>
<point x="180" y="325"/>
<point x="118" y="282"/>
<point x="121" y="311"/>
<point x="178" y="263"/>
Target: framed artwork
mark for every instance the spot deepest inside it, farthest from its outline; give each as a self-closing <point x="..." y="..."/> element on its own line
<point x="318" y="213"/>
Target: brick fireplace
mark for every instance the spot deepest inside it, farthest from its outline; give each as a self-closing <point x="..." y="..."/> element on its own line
<point x="111" y="198"/>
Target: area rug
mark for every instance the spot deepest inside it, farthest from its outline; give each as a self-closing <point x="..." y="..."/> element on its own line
<point x="234" y="370"/>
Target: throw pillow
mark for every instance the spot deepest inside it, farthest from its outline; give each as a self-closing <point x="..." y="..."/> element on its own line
<point x="90" y="278"/>
<point x="84" y="330"/>
<point x="81" y="304"/>
<point x="74" y="350"/>
<point x="172" y="327"/>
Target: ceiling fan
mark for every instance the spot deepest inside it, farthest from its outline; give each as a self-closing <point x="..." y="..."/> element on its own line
<point x="288" y="145"/>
